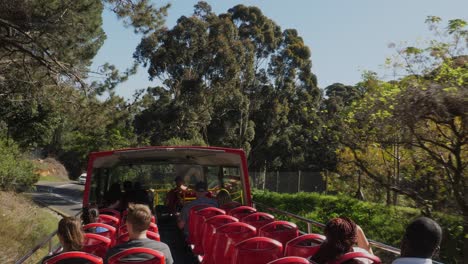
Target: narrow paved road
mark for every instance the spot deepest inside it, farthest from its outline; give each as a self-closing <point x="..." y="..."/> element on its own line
<point x="62" y="197"/>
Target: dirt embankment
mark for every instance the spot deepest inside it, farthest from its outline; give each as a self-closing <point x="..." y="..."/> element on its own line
<point x="51" y="169"/>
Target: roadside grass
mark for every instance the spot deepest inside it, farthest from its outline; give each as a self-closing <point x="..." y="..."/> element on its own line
<point x="23" y="225"/>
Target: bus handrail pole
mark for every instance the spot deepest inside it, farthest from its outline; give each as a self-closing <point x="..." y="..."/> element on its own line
<point x="47" y="239"/>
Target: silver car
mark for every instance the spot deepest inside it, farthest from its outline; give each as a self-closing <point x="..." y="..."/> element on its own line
<point x="82" y="178"/>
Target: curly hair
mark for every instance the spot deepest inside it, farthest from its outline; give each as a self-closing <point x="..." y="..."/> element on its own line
<point x="341" y="236"/>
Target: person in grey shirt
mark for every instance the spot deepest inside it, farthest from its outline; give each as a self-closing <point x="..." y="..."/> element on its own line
<point x="201" y="190"/>
<point x="138" y="222"/>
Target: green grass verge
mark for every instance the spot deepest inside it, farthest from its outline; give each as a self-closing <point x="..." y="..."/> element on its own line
<point x="23" y="225"/>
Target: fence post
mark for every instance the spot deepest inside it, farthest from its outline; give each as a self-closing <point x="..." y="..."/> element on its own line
<point x="277" y="180"/>
<point x="299" y="181"/>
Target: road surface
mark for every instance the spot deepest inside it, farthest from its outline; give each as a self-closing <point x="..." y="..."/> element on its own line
<point x="63" y="197"/>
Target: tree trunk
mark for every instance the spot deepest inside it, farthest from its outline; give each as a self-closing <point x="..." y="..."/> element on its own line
<point x="389" y="190"/>
<point x="465" y="224"/>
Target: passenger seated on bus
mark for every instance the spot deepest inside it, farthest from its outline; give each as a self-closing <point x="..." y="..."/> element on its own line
<point x="71" y="238"/>
<point x="113" y="197"/>
<point x="128" y="195"/>
<point x="175" y="197"/>
<point x="138" y="222"/>
<point x="93" y="214"/>
<point x="142" y="195"/>
<point x="342" y="234"/>
<point x="201" y="191"/>
<point x="223" y="197"/>
<point x="420" y="242"/>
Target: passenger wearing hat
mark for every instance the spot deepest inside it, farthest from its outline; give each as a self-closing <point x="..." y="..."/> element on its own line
<point x="175" y="197"/>
<point x="201" y="191"/>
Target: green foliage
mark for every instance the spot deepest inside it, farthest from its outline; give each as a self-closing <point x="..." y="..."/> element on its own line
<point x="221" y="76"/>
<point x="16" y="171"/>
<point x="184" y="142"/>
<point x="385" y="224"/>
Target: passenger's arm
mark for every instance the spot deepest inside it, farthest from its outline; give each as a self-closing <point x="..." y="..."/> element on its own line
<point x="362" y="241"/>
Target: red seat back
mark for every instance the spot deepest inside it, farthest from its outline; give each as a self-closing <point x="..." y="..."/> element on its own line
<point x="74" y="255"/>
<point x="227" y="236"/>
<point x="193" y="221"/>
<point x="124" y="237"/>
<point x="290" y="260"/>
<point x="158" y="257"/>
<point x="257" y="250"/>
<point x="110" y="233"/>
<point x="210" y="226"/>
<point x="201" y="216"/>
<point x="258" y="219"/>
<point x="109" y="220"/>
<point x="96" y="244"/>
<point x="357" y="255"/>
<point x="152" y="227"/>
<point x="241" y="211"/>
<point x="283" y="231"/>
<point x="109" y="211"/>
<point x="153" y="235"/>
<point x="229" y="206"/>
<point x="304" y="246"/>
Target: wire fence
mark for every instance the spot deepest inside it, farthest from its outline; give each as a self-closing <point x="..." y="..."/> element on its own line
<point x="288" y="181"/>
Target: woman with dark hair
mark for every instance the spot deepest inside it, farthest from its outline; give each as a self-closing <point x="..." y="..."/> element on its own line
<point x="223" y="197"/>
<point x="342" y="234"/>
<point x="70" y="235"/>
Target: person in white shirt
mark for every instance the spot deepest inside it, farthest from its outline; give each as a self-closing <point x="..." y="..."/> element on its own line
<point x="420" y="242"/>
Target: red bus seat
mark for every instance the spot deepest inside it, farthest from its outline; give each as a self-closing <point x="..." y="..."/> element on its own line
<point x="258" y="219"/>
<point x="109" y="211"/>
<point x="201" y="216"/>
<point x="109" y="220"/>
<point x="210" y="226"/>
<point x="290" y="260"/>
<point x="257" y="250"/>
<point x="110" y="233"/>
<point x="74" y="255"/>
<point x="153" y="219"/>
<point x="153" y="228"/>
<point x="96" y="244"/>
<point x="304" y="246"/>
<point x="241" y="211"/>
<point x="158" y="257"/>
<point x="283" y="231"/>
<point x="125" y="236"/>
<point x="192" y="221"/>
<point x="357" y="255"/>
<point x="227" y="236"/>
<point x="229" y="206"/>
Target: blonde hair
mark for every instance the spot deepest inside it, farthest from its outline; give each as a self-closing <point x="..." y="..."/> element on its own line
<point x="223" y="197"/>
<point x="139" y="216"/>
<point x="71" y="234"/>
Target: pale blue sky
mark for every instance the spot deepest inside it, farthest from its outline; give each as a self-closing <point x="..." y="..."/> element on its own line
<point x="345" y="36"/>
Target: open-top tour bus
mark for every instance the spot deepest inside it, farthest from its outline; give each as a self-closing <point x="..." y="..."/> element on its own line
<point x="250" y="233"/>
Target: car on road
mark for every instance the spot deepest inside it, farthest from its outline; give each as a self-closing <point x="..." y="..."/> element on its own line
<point x="82" y="178"/>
